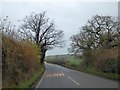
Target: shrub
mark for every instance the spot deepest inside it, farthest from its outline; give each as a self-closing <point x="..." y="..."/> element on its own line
<point x="19" y="60"/>
<point x="106" y="60"/>
<point x="88" y="57"/>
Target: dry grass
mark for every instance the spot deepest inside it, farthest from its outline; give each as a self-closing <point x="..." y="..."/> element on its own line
<point x="106" y="59"/>
<point x="20" y="61"/>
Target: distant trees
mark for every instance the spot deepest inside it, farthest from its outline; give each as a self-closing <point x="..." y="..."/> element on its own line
<point x="43" y="32"/>
<point x="99" y="34"/>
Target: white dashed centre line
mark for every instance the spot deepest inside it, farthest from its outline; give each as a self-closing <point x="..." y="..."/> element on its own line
<point x="73" y="80"/>
<point x="70" y="77"/>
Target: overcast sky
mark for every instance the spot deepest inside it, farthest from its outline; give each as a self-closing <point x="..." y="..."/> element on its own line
<point x="68" y="15"/>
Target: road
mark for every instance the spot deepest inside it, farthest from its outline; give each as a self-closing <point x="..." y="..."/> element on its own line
<point x="57" y="76"/>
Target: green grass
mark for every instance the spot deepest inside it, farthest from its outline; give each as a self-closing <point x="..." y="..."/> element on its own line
<point x="93" y="71"/>
<point x="28" y="83"/>
<point x="74" y="61"/>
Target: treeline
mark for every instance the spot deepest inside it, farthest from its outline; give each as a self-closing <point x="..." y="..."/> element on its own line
<point x="98" y="43"/>
<point x="20" y="58"/>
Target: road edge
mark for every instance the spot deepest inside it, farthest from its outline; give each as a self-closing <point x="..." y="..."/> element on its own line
<point x="41" y="78"/>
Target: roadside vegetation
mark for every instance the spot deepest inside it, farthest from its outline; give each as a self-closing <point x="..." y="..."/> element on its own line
<point x="98" y="43"/>
<point x="47" y="36"/>
<point x="96" y="48"/>
<point x="20" y="63"/>
<point x="20" y="59"/>
<point x="24" y="49"/>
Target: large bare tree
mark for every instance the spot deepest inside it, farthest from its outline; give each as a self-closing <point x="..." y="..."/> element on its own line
<point x="100" y="31"/>
<point x="43" y="32"/>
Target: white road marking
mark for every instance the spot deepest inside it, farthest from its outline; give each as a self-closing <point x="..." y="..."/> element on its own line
<point x="73" y="80"/>
<point x="63" y="75"/>
<point x="59" y="74"/>
<point x="69" y="76"/>
<point x="41" y="80"/>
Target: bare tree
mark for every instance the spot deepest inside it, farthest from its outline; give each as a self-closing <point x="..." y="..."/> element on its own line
<point x="105" y="30"/>
<point x="43" y="32"/>
<point x="100" y="31"/>
<point x="7" y="28"/>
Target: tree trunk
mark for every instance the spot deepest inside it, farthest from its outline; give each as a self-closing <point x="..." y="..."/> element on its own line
<point x="42" y="55"/>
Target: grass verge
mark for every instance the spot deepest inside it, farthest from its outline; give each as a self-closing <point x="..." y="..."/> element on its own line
<point x="93" y="71"/>
<point x="29" y="83"/>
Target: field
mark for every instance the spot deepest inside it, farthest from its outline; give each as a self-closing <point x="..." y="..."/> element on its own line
<point x="64" y="59"/>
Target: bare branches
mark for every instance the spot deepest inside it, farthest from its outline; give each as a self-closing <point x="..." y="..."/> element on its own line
<point x="100" y="31"/>
<point x="44" y="31"/>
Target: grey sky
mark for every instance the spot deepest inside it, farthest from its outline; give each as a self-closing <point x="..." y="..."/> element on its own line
<point x="69" y="16"/>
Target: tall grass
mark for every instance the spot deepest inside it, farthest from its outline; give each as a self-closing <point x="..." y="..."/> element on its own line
<point x="20" y="62"/>
<point x="106" y="60"/>
<point x="30" y="83"/>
